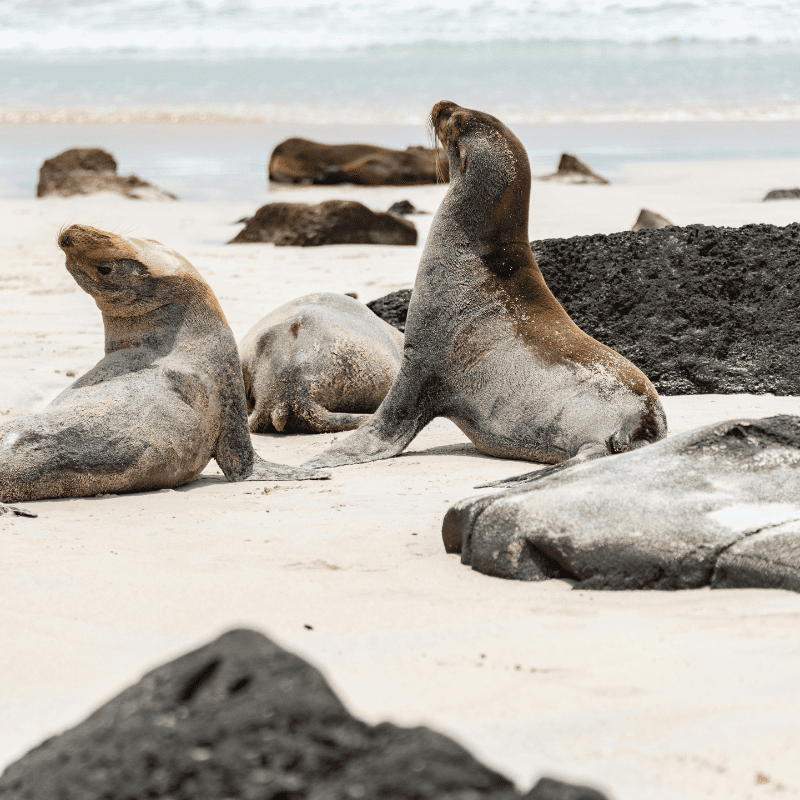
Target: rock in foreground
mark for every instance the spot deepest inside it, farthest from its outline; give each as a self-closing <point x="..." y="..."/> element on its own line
<point x="303" y="161"/>
<point x="90" y="170"/>
<point x="243" y="718"/>
<point x="572" y="170"/>
<point x="329" y="222"/>
<point x="718" y="506"/>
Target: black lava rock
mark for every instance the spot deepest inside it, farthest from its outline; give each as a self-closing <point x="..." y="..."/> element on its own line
<point x="393" y="308"/>
<point x="698" y="309"/>
<point x="243" y="718"/>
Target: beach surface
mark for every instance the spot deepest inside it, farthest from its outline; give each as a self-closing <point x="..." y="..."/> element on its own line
<point x="642" y="694"/>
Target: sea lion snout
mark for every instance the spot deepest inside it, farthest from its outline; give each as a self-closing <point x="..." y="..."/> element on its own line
<point x="449" y="120"/>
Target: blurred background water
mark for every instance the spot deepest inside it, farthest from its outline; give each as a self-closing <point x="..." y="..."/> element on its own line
<point x="613" y="81"/>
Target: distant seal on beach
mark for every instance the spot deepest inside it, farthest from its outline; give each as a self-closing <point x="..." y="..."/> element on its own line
<point x="167" y="397"/>
<point x="318" y="364"/>
<point x="487" y="344"/>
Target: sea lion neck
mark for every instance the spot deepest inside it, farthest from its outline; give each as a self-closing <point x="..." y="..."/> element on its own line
<point x="488" y="200"/>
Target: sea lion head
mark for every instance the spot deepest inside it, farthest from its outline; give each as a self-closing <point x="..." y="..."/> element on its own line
<point x="488" y="164"/>
<point x="129" y="277"/>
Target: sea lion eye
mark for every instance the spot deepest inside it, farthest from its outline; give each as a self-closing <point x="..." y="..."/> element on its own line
<point x="104" y="270"/>
<point x="65" y="240"/>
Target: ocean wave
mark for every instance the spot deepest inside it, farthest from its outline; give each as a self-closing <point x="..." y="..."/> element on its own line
<point x="273" y="27"/>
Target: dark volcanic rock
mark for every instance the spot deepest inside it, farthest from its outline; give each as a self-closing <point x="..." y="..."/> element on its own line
<point x="719" y="506"/>
<point x="303" y="161"/>
<point x="650" y="220"/>
<point x="330" y="222"/>
<point x="698" y="309"/>
<point x="392" y="308"/>
<point x="783" y="194"/>
<point x="89" y="170"/>
<point x="243" y="718"/>
<point x="572" y="170"/>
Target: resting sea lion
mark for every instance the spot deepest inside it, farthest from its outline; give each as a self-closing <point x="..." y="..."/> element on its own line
<point x="167" y="397"/>
<point x="318" y="364"/>
<point x="487" y="344"/>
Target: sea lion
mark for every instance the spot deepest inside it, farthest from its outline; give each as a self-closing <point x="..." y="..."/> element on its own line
<point x="487" y="344"/>
<point x="167" y="397"/>
<point x="318" y="364"/>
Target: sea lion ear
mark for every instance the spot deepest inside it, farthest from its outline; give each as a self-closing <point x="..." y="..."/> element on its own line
<point x="463" y="158"/>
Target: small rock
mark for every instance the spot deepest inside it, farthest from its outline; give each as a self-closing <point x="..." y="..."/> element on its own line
<point x="572" y="170"/>
<point x="650" y="220"/>
<point x="783" y="194"/>
<point x="404" y="208"/>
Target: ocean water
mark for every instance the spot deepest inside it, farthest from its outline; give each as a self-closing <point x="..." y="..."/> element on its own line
<point x="613" y="81"/>
<point x="343" y="61"/>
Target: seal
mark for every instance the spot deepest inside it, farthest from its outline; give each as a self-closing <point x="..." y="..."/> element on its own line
<point x="167" y="397"/>
<point x="487" y="345"/>
<point x="319" y="364"/>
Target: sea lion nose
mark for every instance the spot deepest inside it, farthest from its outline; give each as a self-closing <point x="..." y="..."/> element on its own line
<point x="65" y="240"/>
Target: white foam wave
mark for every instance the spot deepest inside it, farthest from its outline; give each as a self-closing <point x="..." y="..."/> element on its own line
<point x="303" y="27"/>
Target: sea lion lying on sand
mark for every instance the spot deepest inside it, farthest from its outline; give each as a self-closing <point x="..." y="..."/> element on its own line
<point x="487" y="344"/>
<point x="167" y="397"/>
<point x="318" y="364"/>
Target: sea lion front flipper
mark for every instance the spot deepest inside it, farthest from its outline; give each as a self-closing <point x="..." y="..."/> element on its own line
<point x="268" y="471"/>
<point x="404" y="412"/>
<point x="17" y="511"/>
<point x="589" y="452"/>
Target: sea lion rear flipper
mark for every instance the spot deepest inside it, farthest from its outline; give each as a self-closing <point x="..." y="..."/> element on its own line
<point x="16" y="510"/>
<point x="589" y="452"/>
<point x="268" y="471"/>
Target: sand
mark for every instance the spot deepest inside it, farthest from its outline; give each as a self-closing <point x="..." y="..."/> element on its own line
<point x="643" y="694"/>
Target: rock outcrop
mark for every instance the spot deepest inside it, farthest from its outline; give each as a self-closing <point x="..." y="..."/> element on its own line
<point x="90" y="170"/>
<point x="718" y="506"/>
<point x="329" y="222"/>
<point x="243" y="718"/>
<point x="572" y="170"/>
<point x="304" y="161"/>
<point x="650" y="220"/>
<point x="783" y="194"/>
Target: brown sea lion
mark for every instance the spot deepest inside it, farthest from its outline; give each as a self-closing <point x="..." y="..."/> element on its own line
<point x="167" y="397"/>
<point x="487" y="344"/>
<point x="318" y="364"/>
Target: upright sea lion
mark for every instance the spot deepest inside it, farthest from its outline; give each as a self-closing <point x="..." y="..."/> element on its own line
<point x="167" y="397"/>
<point x="487" y="344"/>
<point x="318" y="364"/>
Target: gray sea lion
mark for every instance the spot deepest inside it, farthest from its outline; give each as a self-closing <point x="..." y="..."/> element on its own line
<point x="487" y="344"/>
<point x="167" y="397"/>
<point x="319" y="364"/>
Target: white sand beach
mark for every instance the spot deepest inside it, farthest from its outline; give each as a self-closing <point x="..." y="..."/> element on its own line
<point x="646" y="695"/>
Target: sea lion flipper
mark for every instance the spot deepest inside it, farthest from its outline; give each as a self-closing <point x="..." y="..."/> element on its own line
<point x="588" y="452"/>
<point x="399" y="418"/>
<point x="269" y="471"/>
<point x="16" y="510"/>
